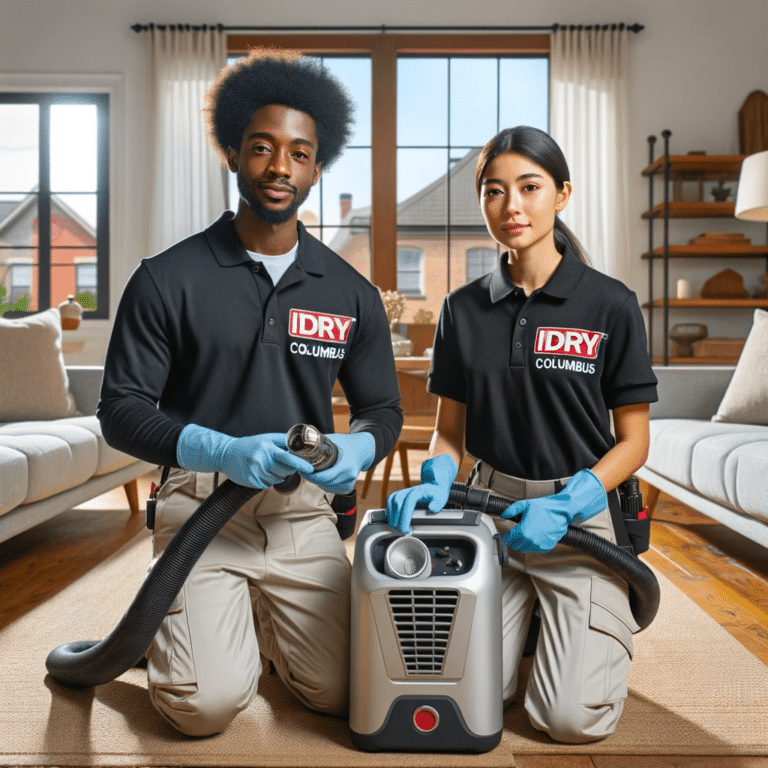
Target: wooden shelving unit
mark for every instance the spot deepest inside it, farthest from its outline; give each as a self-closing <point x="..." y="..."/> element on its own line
<point x="719" y="167"/>
<point x="703" y="252"/>
<point x="692" y="210"/>
<point x="713" y="303"/>
<point x="693" y="361"/>
<point x="676" y="169"/>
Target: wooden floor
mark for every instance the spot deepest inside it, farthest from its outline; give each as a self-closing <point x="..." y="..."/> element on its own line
<point x="724" y="573"/>
<point x="720" y="570"/>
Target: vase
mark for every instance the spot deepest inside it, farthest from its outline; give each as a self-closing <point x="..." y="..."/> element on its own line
<point x="71" y="314"/>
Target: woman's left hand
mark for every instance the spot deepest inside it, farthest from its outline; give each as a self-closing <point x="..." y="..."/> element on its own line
<point x="545" y="520"/>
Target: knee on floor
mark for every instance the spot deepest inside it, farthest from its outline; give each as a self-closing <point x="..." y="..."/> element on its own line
<point x="578" y="724"/>
<point x="330" y="700"/>
<point x="197" y="712"/>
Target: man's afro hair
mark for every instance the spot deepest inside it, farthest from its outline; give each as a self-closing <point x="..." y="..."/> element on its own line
<point x="275" y="76"/>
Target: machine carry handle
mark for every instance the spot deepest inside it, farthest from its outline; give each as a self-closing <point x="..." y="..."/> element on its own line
<point x="468" y="518"/>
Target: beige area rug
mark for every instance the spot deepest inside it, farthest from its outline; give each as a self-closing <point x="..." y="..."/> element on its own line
<point x="694" y="691"/>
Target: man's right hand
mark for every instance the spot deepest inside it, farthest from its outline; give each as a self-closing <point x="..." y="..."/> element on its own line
<point x="257" y="461"/>
<point x="437" y="476"/>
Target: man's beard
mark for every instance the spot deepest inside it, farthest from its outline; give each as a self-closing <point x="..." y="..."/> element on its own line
<point x="265" y="214"/>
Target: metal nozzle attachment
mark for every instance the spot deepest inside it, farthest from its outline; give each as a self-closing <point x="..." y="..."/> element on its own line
<point x="308" y="443"/>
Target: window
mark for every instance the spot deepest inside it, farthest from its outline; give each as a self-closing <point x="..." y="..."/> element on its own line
<point x="480" y="261"/>
<point x="426" y="104"/>
<point x="86" y="284"/>
<point x="54" y="199"/>
<point x="21" y="281"/>
<point x="410" y="271"/>
<point x="448" y="107"/>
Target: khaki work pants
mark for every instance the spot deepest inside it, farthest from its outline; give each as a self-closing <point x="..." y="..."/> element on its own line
<point x="275" y="582"/>
<point x="578" y="680"/>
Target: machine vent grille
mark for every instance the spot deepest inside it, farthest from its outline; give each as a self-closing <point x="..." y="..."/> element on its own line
<point x="423" y="620"/>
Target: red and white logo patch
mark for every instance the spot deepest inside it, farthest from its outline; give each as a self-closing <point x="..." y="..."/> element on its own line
<point x="568" y="341"/>
<point x="319" y="326"/>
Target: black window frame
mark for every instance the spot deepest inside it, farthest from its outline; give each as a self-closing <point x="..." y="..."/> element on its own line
<point x="46" y="99"/>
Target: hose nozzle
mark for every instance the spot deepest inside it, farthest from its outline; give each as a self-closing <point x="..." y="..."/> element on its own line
<point x="310" y="444"/>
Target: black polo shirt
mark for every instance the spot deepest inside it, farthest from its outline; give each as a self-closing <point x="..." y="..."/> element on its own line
<point x="539" y="374"/>
<point x="202" y="336"/>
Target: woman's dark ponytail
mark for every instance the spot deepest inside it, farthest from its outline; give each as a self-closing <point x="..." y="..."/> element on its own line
<point x="540" y="148"/>
<point x="565" y="237"/>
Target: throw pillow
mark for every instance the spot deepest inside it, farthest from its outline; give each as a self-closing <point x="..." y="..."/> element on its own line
<point x="33" y="380"/>
<point x="746" y="399"/>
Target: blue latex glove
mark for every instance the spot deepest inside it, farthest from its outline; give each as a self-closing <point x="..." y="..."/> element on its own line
<point x="437" y="476"/>
<point x="258" y="461"/>
<point x="545" y="520"/>
<point x="356" y="453"/>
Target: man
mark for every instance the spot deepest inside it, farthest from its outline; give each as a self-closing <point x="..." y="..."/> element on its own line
<point x="223" y="342"/>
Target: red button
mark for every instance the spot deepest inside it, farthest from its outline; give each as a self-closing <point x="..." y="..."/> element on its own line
<point x="425" y="719"/>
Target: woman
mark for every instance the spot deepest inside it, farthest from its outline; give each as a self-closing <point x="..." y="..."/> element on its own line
<point x="528" y="363"/>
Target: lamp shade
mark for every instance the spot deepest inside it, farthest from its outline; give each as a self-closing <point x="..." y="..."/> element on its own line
<point x="752" y="196"/>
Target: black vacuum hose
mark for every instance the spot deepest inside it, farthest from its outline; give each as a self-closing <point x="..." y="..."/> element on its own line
<point x="87" y="663"/>
<point x="644" y="593"/>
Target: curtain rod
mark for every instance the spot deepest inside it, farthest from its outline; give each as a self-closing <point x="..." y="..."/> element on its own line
<point x="383" y="29"/>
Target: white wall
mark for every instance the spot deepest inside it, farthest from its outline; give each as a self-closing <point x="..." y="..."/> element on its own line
<point x="690" y="71"/>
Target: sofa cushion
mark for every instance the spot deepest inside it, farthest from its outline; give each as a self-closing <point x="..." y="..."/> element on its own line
<point x="715" y="464"/>
<point x="110" y="459"/>
<point x="673" y="442"/>
<point x="746" y="399"/>
<point x="58" y="456"/>
<point x="13" y="478"/>
<point x="33" y="379"/>
<point x="747" y="472"/>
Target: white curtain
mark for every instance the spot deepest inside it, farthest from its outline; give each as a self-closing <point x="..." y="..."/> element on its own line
<point x="187" y="180"/>
<point x="588" y="119"/>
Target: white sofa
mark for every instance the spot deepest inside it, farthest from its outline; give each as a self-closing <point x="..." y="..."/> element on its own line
<point x="719" y="468"/>
<point x="49" y="466"/>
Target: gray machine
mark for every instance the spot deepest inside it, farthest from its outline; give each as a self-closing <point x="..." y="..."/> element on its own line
<point x="426" y="634"/>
